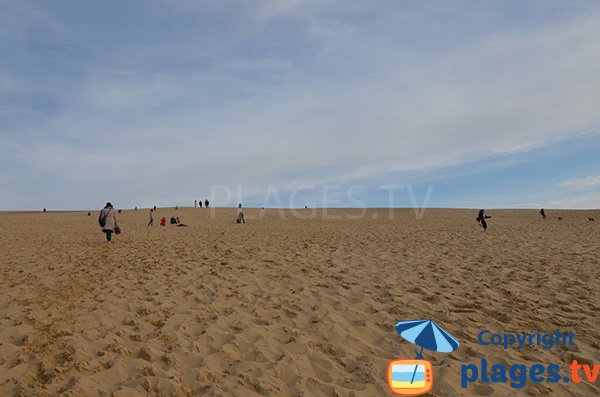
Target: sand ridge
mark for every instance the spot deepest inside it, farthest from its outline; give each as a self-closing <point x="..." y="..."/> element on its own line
<point x="285" y="305"/>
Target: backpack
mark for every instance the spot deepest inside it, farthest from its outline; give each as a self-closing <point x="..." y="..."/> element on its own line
<point x="102" y="218"/>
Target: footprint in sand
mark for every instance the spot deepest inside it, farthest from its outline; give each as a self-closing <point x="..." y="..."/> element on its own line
<point x="262" y="322"/>
<point x="321" y="366"/>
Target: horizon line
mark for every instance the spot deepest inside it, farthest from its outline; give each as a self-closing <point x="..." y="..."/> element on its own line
<point x="309" y="208"/>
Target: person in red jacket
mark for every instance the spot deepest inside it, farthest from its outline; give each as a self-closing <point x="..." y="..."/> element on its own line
<point x="163" y="221"/>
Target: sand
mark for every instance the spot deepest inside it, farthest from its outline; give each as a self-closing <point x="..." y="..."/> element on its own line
<point x="286" y="305"/>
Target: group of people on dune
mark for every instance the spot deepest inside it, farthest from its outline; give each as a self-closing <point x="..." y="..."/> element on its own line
<point x="199" y="203"/>
<point x="482" y="216"/>
<point x="163" y="221"/>
<point x="108" y="219"/>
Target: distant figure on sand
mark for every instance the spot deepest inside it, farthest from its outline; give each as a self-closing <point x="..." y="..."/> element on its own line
<point x="154" y="208"/>
<point x="108" y="220"/>
<point x="178" y="221"/>
<point x="163" y="221"/>
<point x="173" y="220"/>
<point x="195" y="203"/>
<point x="200" y="203"/>
<point x="481" y="217"/>
<point x="591" y="219"/>
<point x="543" y="214"/>
<point x="206" y="202"/>
<point x="89" y="214"/>
<point x="151" y="222"/>
<point x="240" y="218"/>
<point x="44" y="210"/>
<point x="240" y="205"/>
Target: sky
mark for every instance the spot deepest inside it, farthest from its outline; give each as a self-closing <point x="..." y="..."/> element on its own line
<point x="286" y="103"/>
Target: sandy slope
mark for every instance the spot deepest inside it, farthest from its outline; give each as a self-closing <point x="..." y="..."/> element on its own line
<point x="286" y="305"/>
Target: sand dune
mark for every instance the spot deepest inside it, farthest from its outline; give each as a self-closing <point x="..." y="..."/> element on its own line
<point x="286" y="305"/>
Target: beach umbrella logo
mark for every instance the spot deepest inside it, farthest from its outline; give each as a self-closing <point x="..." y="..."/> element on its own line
<point x="415" y="377"/>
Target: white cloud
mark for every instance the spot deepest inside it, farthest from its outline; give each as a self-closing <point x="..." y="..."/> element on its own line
<point x="589" y="200"/>
<point x="328" y="103"/>
<point x="587" y="182"/>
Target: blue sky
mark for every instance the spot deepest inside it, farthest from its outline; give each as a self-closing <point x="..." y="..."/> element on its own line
<point x="480" y="103"/>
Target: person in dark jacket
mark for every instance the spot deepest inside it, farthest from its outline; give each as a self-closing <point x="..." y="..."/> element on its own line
<point x="241" y="218"/>
<point x="481" y="217"/>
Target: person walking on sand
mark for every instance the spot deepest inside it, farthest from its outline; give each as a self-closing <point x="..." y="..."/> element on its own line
<point x="200" y="203"/>
<point x="151" y="222"/>
<point x="206" y="203"/>
<point x="241" y="218"/>
<point x="108" y="221"/>
<point x="481" y="217"/>
<point x="195" y="203"/>
<point x="543" y="214"/>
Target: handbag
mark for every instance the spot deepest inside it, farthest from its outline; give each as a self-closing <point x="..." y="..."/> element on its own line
<point x="102" y="219"/>
<point x="117" y="230"/>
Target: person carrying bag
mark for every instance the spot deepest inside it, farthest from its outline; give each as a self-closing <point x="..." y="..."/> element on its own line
<point x="108" y="221"/>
